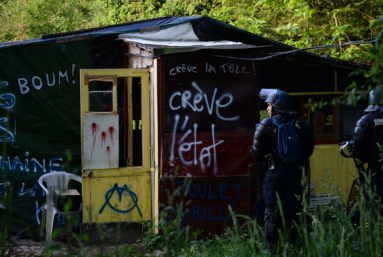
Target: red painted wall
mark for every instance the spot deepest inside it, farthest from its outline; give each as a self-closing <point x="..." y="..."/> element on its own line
<point x="208" y="109"/>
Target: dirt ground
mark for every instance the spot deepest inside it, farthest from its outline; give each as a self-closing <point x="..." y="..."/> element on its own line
<point x="28" y="247"/>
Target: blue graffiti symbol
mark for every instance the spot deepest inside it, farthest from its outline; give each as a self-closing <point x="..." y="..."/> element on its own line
<point x="10" y="136"/>
<point x="10" y="101"/>
<point x="11" y="97"/>
<point x="3" y="190"/>
<point x="120" y="190"/>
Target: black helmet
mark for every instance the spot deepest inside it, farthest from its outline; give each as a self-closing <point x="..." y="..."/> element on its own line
<point x="280" y="100"/>
<point x="375" y="96"/>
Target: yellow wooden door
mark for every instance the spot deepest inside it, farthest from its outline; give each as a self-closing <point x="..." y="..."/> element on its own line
<point x="114" y="189"/>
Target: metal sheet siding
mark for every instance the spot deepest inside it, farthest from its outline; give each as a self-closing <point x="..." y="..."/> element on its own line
<point x="208" y="109"/>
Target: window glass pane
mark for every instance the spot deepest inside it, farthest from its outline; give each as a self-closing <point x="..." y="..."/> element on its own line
<point x="101" y="101"/>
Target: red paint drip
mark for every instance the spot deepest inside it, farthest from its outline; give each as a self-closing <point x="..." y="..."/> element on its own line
<point x="108" y="151"/>
<point x="320" y="120"/>
<point x="111" y="130"/>
<point x="103" y="136"/>
<point x="94" y="134"/>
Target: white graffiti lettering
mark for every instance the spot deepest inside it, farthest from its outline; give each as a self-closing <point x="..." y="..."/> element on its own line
<point x="63" y="75"/>
<point x="186" y="147"/>
<point x="171" y="101"/>
<point x="40" y="82"/>
<point x="37" y="81"/>
<point x="23" y="82"/>
<point x="53" y="78"/>
<point x="183" y="69"/>
<point x="210" y="68"/>
<point x="197" y="99"/>
<point x="176" y="118"/>
<point x="219" y="105"/>
<point x="232" y="68"/>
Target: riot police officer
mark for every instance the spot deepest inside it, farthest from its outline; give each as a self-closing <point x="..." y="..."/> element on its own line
<point x="283" y="177"/>
<point x="368" y="132"/>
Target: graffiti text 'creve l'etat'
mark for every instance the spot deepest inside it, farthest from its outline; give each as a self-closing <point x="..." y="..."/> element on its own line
<point x="208" y="153"/>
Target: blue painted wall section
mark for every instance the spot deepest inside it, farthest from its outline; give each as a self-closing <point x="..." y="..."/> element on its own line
<point x="205" y="201"/>
<point x="204" y="211"/>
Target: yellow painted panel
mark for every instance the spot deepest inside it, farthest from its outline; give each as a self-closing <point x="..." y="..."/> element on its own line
<point x="155" y="169"/>
<point x="85" y="192"/>
<point x="130" y="122"/>
<point x="125" y="171"/>
<point x="114" y="199"/>
<point x="328" y="157"/>
<point x="145" y="87"/>
<point x="118" y="72"/>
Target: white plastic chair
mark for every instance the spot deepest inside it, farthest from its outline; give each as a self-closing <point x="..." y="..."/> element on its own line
<point x="55" y="180"/>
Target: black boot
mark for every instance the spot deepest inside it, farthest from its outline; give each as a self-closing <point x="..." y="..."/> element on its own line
<point x="271" y="248"/>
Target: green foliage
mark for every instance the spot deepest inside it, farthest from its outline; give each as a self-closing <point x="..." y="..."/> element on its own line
<point x="263" y="115"/>
<point x="374" y="75"/>
<point x="325" y="231"/>
<point x="155" y="241"/>
<point x="299" y="23"/>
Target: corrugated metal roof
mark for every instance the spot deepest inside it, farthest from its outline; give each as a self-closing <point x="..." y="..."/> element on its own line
<point x="171" y="47"/>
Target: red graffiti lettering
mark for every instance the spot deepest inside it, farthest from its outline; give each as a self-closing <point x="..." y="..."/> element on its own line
<point x="111" y="130"/>
<point x="103" y="136"/>
<point x="108" y="151"/>
<point x="94" y="134"/>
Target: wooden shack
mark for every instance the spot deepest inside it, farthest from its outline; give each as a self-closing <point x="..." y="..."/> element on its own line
<point x="155" y="109"/>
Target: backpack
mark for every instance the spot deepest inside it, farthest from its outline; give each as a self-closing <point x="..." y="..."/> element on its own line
<point x="289" y="144"/>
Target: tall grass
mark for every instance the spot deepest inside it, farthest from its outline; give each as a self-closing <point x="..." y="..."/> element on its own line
<point x="324" y="231"/>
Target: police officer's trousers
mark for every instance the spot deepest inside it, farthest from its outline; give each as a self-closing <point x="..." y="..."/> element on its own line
<point x="286" y="182"/>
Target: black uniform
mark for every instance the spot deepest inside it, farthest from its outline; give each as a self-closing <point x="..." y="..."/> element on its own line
<point x="285" y="178"/>
<point x="368" y="132"/>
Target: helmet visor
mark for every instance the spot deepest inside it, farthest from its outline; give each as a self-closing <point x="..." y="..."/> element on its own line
<point x="265" y="92"/>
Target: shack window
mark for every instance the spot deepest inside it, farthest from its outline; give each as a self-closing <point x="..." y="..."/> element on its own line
<point x="100" y="97"/>
<point x="318" y="110"/>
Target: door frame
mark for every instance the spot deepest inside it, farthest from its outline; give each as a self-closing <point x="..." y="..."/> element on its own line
<point x="88" y="75"/>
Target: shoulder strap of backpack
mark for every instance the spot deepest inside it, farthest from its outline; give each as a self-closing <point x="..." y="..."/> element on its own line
<point x="276" y="122"/>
